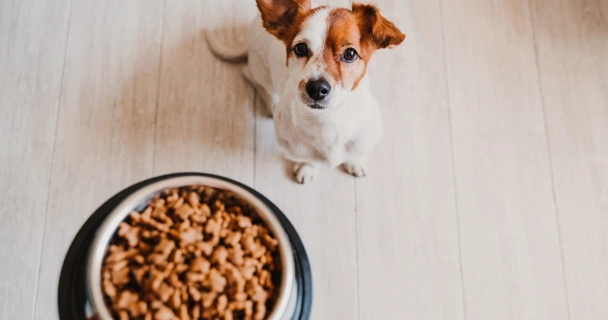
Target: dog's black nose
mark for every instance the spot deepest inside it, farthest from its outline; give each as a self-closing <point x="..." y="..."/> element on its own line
<point x="318" y="89"/>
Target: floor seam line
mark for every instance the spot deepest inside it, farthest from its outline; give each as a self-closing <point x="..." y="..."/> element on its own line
<point x="48" y="194"/>
<point x="549" y="159"/>
<point x="455" y="193"/>
<point x="158" y="83"/>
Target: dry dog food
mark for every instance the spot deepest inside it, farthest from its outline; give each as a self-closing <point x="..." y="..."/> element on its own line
<point x="193" y="253"/>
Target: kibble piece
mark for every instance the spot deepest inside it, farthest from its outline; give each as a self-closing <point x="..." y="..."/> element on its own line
<point x="207" y="299"/>
<point x="213" y="227"/>
<point x="209" y="313"/>
<point x="265" y="279"/>
<point x="156" y="278"/>
<point x="120" y="276"/>
<point x="244" y="222"/>
<point x="260" y="311"/>
<point x="134" y="216"/>
<point x="164" y="247"/>
<point x="200" y="265"/>
<point x="256" y="291"/>
<point x="139" y="274"/>
<point x="139" y="259"/>
<point x="165" y="292"/>
<point x="177" y="204"/>
<point x="205" y="248"/>
<point x="168" y="269"/>
<point x="119" y="255"/>
<point x="126" y="299"/>
<point x="219" y="255"/>
<point x="123" y="315"/>
<point x="222" y="303"/>
<point x="194" y="277"/>
<point x="233" y="239"/>
<point x="180" y="268"/>
<point x="176" y="300"/>
<point x="205" y="210"/>
<point x="156" y="304"/>
<point x="109" y="288"/>
<point x="249" y="243"/>
<point x="190" y="236"/>
<point x="184" y="212"/>
<point x="240" y="296"/>
<point x="178" y="256"/>
<point x="270" y="242"/>
<point x="183" y="312"/>
<point x="196" y="312"/>
<point x="234" y="277"/>
<point x="131" y="234"/>
<point x="140" y="309"/>
<point x="235" y="255"/>
<point x="215" y="281"/>
<point x="228" y="315"/>
<point x="195" y="294"/>
<point x="248" y="308"/>
<point x="184" y="292"/>
<point x="164" y="313"/>
<point x="193" y="199"/>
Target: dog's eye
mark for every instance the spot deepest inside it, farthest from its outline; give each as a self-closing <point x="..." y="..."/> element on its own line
<point x="301" y="50"/>
<point x="350" y="55"/>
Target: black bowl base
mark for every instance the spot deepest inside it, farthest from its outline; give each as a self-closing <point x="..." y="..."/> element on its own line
<point x="72" y="294"/>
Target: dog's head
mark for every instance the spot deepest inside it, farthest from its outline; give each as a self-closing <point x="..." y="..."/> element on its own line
<point x="328" y="49"/>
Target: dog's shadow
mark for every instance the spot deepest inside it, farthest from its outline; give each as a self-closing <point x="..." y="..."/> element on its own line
<point x="205" y="113"/>
<point x="174" y="110"/>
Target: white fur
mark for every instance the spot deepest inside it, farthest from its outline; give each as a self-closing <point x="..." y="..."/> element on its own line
<point x="344" y="133"/>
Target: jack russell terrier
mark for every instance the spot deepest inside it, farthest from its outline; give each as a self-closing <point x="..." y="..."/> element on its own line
<point x="308" y="65"/>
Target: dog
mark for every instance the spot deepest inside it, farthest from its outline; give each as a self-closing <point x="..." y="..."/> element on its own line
<point x="308" y="64"/>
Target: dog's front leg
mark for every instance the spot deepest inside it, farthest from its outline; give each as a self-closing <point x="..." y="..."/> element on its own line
<point x="357" y="166"/>
<point x="305" y="172"/>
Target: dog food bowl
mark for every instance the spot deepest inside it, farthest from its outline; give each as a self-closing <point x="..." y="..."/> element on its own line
<point x="80" y="291"/>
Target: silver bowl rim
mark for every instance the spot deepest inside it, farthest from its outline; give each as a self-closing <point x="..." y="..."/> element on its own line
<point x="139" y="198"/>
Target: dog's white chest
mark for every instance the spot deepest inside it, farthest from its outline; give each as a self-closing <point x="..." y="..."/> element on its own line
<point x="321" y="139"/>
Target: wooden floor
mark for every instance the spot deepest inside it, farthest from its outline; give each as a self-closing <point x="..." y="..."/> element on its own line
<point x="487" y="199"/>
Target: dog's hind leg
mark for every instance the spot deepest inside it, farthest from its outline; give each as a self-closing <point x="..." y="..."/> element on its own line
<point x="269" y="100"/>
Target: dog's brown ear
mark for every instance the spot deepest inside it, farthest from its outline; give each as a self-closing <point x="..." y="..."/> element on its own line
<point x="278" y="15"/>
<point x="384" y="34"/>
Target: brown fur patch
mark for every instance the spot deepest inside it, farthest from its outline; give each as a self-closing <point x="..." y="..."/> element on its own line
<point x="284" y="19"/>
<point x="377" y="30"/>
<point x="295" y="28"/>
<point x="343" y="32"/>
<point x="363" y="29"/>
<point x="279" y="15"/>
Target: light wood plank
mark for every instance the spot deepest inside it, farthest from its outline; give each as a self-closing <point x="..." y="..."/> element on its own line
<point x="509" y="239"/>
<point x="32" y="38"/>
<point x="105" y="137"/>
<point x="32" y="47"/>
<point x="572" y="48"/>
<point x="323" y="213"/>
<point x="205" y="118"/>
<point x="409" y="264"/>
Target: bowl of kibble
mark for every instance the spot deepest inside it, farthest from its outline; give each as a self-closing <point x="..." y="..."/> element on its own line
<point x="190" y="246"/>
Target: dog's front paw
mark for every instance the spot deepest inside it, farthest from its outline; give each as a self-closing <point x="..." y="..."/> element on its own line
<point x="304" y="172"/>
<point x="356" y="168"/>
